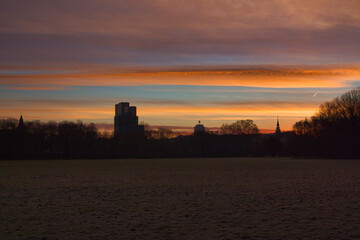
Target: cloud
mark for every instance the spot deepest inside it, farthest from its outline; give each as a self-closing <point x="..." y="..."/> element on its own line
<point x="108" y="16"/>
<point x="50" y="48"/>
<point x="221" y="112"/>
<point x="276" y="77"/>
<point x="103" y="108"/>
<point x="160" y="32"/>
<point x="36" y="88"/>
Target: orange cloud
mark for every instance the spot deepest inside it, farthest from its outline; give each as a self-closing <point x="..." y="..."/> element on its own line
<point x="36" y="88"/>
<point x="274" y="78"/>
<point x="252" y="108"/>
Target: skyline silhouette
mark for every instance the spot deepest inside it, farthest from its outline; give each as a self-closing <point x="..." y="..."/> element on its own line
<point x="178" y="119"/>
<point x="332" y="132"/>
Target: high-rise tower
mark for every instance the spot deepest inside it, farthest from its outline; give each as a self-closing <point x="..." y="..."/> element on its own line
<point x="125" y="120"/>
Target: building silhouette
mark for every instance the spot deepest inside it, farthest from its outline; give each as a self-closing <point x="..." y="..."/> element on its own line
<point x="277" y="131"/>
<point x="125" y="120"/>
<point x="21" y="126"/>
<point x="199" y="128"/>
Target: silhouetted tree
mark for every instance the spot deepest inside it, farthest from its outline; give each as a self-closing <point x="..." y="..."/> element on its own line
<point x="335" y="127"/>
<point x="240" y="127"/>
<point x="160" y="134"/>
<point x="8" y="124"/>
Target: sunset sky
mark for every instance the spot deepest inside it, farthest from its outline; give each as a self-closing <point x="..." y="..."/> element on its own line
<point x="177" y="61"/>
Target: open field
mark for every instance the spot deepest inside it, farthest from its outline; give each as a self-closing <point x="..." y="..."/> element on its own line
<point x="180" y="199"/>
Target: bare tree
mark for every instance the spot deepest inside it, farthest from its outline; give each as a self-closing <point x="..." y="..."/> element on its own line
<point x="164" y="133"/>
<point x="240" y="127"/>
<point x="8" y="124"/>
<point x="341" y="112"/>
<point x="345" y="106"/>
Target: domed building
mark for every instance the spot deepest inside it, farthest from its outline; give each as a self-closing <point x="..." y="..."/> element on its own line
<point x="199" y="128"/>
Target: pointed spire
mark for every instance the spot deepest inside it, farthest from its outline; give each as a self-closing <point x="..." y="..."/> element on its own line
<point x="277" y="131"/>
<point x="21" y="125"/>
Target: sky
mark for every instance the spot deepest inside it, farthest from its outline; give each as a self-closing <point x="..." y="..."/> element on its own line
<point x="178" y="61"/>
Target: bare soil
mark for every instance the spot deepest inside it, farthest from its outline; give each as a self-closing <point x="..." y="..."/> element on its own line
<point x="238" y="198"/>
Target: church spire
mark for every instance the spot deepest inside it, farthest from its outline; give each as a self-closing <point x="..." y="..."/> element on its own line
<point x="277" y="131"/>
<point x="21" y="125"/>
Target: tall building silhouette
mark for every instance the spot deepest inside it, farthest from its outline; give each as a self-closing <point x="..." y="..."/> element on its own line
<point x="277" y="131"/>
<point x="125" y="120"/>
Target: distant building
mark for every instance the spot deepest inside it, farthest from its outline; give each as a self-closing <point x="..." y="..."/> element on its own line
<point x="125" y="120"/>
<point x="277" y="131"/>
<point x="199" y="128"/>
<point x="21" y="126"/>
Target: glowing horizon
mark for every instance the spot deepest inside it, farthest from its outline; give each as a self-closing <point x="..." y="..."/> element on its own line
<point x="178" y="62"/>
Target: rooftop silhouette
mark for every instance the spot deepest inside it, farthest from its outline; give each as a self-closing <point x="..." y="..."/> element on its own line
<point x="125" y="120"/>
<point x="199" y="128"/>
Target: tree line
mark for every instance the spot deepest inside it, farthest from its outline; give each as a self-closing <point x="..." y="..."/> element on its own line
<point x="334" y="131"/>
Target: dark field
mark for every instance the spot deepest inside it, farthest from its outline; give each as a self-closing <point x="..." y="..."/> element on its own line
<point x="180" y="199"/>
